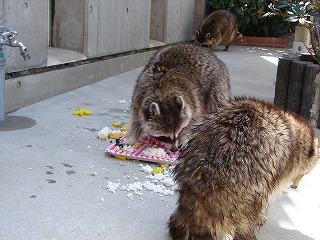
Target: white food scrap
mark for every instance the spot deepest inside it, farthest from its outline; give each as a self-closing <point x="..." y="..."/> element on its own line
<point x="156" y="152"/>
<point x="160" y="183"/>
<point x="112" y="187"/>
<point x="104" y="132"/>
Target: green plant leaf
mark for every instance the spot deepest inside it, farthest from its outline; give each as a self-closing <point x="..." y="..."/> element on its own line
<point x="281" y="5"/>
<point x="247" y="19"/>
<point x="238" y="10"/>
<point x="254" y="20"/>
<point x="292" y="19"/>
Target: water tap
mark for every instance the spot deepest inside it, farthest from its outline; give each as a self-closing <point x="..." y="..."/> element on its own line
<point x="8" y="38"/>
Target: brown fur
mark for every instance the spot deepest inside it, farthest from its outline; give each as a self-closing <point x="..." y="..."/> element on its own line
<point x="180" y="85"/>
<point x="239" y="157"/>
<point x="219" y="27"/>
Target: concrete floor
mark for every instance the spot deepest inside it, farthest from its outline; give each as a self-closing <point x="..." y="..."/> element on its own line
<point x="54" y="170"/>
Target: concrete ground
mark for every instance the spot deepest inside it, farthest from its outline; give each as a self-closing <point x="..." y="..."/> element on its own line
<point x="54" y="171"/>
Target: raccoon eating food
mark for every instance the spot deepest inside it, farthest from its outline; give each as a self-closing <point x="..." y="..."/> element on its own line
<point x="180" y="85"/>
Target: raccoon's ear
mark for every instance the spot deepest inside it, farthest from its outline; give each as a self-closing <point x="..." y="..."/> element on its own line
<point x="197" y="33"/>
<point x="208" y="35"/>
<point x="181" y="102"/>
<point x="154" y="109"/>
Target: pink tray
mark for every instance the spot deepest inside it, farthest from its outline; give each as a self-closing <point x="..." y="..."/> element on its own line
<point x="137" y="153"/>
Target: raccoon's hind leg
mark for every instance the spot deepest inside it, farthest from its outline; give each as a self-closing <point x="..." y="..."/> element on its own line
<point x="248" y="235"/>
<point x="201" y="227"/>
<point x="262" y="213"/>
<point x="178" y="228"/>
<point x="296" y="181"/>
<point x="239" y="36"/>
<point x="227" y="42"/>
<point x="312" y="159"/>
<point x="203" y="235"/>
<point x="244" y="237"/>
<point x="227" y="47"/>
<point x="247" y="231"/>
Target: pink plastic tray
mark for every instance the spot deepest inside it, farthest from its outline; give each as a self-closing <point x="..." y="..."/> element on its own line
<point x="137" y="153"/>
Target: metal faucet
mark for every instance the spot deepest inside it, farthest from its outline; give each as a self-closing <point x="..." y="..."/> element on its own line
<point x="8" y="38"/>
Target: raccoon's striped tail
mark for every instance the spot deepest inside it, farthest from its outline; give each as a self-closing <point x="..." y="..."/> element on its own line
<point x="238" y="34"/>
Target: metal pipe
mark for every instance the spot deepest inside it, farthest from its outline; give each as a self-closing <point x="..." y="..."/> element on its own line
<point x="8" y="38"/>
<point x="2" y="85"/>
<point x="23" y="49"/>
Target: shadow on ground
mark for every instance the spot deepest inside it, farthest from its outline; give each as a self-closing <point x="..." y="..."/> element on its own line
<point x="12" y="123"/>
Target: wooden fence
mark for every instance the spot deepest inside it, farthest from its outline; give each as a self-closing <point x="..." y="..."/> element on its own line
<point x="298" y="87"/>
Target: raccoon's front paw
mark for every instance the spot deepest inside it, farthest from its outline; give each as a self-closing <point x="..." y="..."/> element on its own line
<point x="182" y="142"/>
<point x="129" y="141"/>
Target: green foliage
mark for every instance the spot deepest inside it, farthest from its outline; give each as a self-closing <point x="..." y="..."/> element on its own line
<point x="298" y="12"/>
<point x="251" y="19"/>
<point x="304" y="13"/>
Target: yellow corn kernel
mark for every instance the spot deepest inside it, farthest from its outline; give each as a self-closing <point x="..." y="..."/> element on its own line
<point x="159" y="169"/>
<point x="116" y="135"/>
<point x="122" y="158"/>
<point x="116" y="123"/>
<point x="81" y="112"/>
<point x="125" y="127"/>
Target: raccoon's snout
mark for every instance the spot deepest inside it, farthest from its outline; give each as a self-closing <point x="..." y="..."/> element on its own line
<point x="172" y="144"/>
<point x="164" y="139"/>
<point x="173" y="148"/>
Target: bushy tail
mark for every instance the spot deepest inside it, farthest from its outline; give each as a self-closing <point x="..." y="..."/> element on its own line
<point x="238" y="34"/>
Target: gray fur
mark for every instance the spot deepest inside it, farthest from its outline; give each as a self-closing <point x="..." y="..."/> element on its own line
<point x="239" y="158"/>
<point x="219" y="27"/>
<point x="181" y="84"/>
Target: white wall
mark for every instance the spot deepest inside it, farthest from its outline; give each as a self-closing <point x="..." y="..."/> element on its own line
<point x="29" y="18"/>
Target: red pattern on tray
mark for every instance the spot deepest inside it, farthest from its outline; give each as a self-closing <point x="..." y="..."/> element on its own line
<point x="138" y="154"/>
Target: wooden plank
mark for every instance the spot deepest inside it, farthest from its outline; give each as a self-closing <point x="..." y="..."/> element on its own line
<point x="282" y="81"/>
<point x="310" y="97"/>
<point x="283" y="78"/>
<point x="295" y="86"/>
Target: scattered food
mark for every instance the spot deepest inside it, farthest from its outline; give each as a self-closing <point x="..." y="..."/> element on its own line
<point x="116" y="135"/>
<point x="146" y="169"/>
<point x="116" y="124"/>
<point x="107" y="133"/>
<point x="81" y="112"/>
<point x="122" y="158"/>
<point x="125" y="127"/>
<point x="103" y="134"/>
<point x="148" y="149"/>
<point x="112" y="187"/>
<point x="160" y="183"/>
<point x="155" y="151"/>
<point x="159" y="169"/>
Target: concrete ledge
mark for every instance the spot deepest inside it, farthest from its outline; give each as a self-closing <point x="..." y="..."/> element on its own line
<point x="27" y="87"/>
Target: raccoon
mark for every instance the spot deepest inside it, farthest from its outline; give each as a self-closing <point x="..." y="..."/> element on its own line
<point x="238" y="158"/>
<point x="219" y="27"/>
<point x="180" y="85"/>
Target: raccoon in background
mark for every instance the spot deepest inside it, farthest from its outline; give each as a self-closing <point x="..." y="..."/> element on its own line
<point x="239" y="157"/>
<point x="219" y="27"/>
<point x="180" y="85"/>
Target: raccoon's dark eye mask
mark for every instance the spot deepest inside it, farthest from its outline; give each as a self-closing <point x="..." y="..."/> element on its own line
<point x="163" y="139"/>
